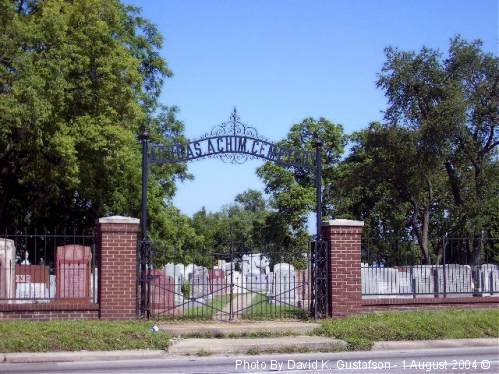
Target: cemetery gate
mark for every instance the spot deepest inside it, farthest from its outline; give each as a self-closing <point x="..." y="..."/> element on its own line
<point x="233" y="283"/>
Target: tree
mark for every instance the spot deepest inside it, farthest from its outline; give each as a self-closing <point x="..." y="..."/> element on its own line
<point x="434" y="160"/>
<point x="453" y="103"/>
<point x="292" y="189"/>
<point x="251" y="200"/>
<point x="79" y="82"/>
<point x="472" y="164"/>
<point x="386" y="181"/>
<point x="233" y="228"/>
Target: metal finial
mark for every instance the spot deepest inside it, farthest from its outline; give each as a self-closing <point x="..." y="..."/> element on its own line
<point x="235" y="118"/>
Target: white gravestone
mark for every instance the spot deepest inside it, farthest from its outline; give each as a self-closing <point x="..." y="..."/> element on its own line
<point x="199" y="282"/>
<point x="424" y="279"/>
<point x="380" y="281"/>
<point x="458" y="278"/>
<point x="221" y="264"/>
<point x="26" y="259"/>
<point x="489" y="278"/>
<point x="238" y="282"/>
<point x="245" y="264"/>
<point x="256" y="282"/>
<point x="270" y="285"/>
<point x="368" y="280"/>
<point x="94" y="286"/>
<point x="176" y="272"/>
<point x="255" y="263"/>
<point x="169" y="269"/>
<point x="188" y="270"/>
<point x="388" y="281"/>
<point x="255" y="267"/>
<point x="405" y="282"/>
<point x="53" y="283"/>
<point x="284" y="284"/>
<point x="30" y="291"/>
<point x="7" y="270"/>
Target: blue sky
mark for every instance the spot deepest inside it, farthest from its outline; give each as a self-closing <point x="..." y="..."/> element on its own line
<point x="281" y="61"/>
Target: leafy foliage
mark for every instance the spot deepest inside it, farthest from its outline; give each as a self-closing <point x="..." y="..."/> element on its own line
<point x="431" y="169"/>
<point x="79" y="82"/>
<point x="292" y="189"/>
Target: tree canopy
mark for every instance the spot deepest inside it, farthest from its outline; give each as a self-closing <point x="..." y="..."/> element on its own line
<point x="79" y="82"/>
<point x="431" y="168"/>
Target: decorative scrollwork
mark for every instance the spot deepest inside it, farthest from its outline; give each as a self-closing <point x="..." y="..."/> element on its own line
<point x="232" y="142"/>
<point x="233" y="127"/>
<point x="146" y="250"/>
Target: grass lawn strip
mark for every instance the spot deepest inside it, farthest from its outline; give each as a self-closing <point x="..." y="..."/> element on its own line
<point x="262" y="309"/>
<point x="36" y="336"/>
<point x="361" y="331"/>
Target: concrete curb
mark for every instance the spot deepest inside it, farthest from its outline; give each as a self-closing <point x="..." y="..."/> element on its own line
<point x="31" y="357"/>
<point x="239" y="328"/>
<point x="431" y="344"/>
<point x="255" y="346"/>
<point x="234" y="346"/>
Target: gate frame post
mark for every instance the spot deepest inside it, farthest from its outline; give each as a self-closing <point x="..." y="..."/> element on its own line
<point x="344" y="237"/>
<point x="318" y="275"/>
<point x="144" y="255"/>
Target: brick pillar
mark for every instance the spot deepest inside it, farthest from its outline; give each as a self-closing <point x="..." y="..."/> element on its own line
<point x="118" y="267"/>
<point x="344" y="237"/>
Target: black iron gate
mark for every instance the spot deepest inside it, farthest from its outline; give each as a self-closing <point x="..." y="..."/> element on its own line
<point x="268" y="295"/>
<point x="227" y="287"/>
<point x="320" y="279"/>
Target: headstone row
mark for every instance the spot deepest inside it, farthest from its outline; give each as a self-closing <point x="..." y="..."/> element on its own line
<point x="26" y="283"/>
<point x="427" y="280"/>
<point x="178" y="287"/>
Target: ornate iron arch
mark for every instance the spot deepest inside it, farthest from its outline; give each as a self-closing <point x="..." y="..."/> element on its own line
<point x="231" y="141"/>
<point x="234" y="142"/>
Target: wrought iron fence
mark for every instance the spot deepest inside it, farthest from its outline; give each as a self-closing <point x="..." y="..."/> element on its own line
<point x="456" y="267"/>
<point x="47" y="267"/>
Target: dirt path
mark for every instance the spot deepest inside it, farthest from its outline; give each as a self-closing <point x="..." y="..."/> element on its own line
<point x="240" y="301"/>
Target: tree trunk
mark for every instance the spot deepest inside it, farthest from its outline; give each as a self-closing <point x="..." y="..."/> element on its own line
<point x="421" y="234"/>
<point x="476" y="249"/>
<point x="425" y="233"/>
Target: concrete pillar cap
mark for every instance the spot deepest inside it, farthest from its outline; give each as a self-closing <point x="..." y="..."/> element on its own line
<point x="119" y="219"/>
<point x="343" y="222"/>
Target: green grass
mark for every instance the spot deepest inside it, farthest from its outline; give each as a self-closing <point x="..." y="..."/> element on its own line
<point x="262" y="309"/>
<point x="361" y="331"/>
<point x="32" y="336"/>
<point x="217" y="302"/>
<point x="203" y="311"/>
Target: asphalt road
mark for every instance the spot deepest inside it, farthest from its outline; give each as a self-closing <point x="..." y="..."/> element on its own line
<point x="469" y="360"/>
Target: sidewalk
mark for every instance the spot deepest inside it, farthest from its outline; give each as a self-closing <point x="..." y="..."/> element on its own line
<point x="238" y="328"/>
<point x="239" y="346"/>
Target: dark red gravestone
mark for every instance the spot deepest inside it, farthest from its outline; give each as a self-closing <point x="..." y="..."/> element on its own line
<point x="32" y="274"/>
<point x="162" y="292"/>
<point x="73" y="271"/>
<point x="216" y="279"/>
<point x="303" y="286"/>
